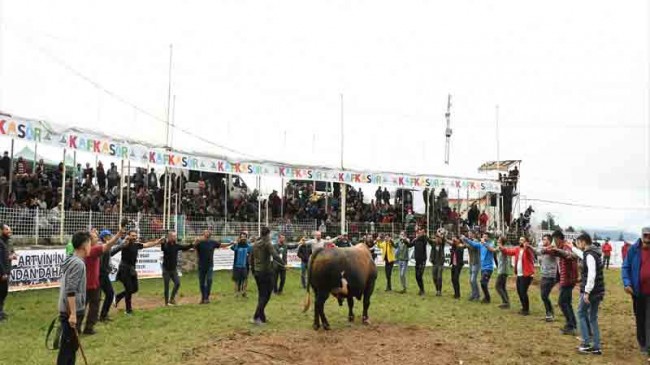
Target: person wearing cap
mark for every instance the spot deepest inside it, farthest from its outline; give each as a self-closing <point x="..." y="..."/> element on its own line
<point x="92" y="278"/>
<point x="105" y="284"/>
<point x="635" y="274"/>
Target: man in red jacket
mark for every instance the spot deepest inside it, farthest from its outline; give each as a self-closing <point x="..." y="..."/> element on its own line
<point x="524" y="270"/>
<point x="624" y="249"/>
<point x="607" y="253"/>
<point x="92" y="277"/>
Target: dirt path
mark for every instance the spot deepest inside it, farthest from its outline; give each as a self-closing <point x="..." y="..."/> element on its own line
<point x="383" y="344"/>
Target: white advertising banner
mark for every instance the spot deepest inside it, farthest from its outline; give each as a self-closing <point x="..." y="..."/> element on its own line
<point x="37" y="269"/>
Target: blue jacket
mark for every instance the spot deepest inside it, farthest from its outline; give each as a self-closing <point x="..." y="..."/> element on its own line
<point x="487" y="256"/>
<point x="631" y="269"/>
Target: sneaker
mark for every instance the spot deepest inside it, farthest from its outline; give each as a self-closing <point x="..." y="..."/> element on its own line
<point x="172" y="302"/>
<point x="524" y="313"/>
<point x="596" y="352"/>
<point x="485" y="301"/>
<point x="439" y="294"/>
<point x="504" y="306"/>
<point x="585" y="349"/>
<point x="105" y="319"/>
<point x="89" y="332"/>
<point x="568" y="332"/>
<point x="403" y="291"/>
<point x="128" y="314"/>
<point x="256" y="322"/>
<point x="549" y="319"/>
<point x="421" y="293"/>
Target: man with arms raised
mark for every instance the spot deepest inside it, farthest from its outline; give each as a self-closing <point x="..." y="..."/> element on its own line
<point x="126" y="272"/>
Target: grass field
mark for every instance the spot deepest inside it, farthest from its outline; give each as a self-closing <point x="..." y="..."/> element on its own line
<point x="405" y="329"/>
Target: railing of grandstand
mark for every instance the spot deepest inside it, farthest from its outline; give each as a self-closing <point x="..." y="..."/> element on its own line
<point x="43" y="227"/>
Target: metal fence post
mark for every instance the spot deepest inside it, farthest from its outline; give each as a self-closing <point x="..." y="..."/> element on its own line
<point x="90" y="219"/>
<point x="36" y="229"/>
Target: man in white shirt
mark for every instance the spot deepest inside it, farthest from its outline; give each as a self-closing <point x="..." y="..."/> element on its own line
<point x="592" y="291"/>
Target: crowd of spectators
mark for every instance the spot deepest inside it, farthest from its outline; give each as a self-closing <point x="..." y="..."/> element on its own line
<point x="96" y="189"/>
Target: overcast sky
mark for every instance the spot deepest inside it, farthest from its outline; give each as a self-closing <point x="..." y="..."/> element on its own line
<point x="571" y="80"/>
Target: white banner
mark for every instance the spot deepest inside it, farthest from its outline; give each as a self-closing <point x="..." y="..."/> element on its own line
<point x="37" y="269"/>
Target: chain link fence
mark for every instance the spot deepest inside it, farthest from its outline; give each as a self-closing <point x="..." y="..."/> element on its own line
<point x="46" y="227"/>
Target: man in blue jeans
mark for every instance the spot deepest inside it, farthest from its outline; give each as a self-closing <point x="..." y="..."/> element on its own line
<point x="636" y="280"/>
<point x="205" y="247"/>
<point x="402" y="257"/>
<point x="592" y="291"/>
<point x="474" y="268"/>
<point x="486" y="250"/>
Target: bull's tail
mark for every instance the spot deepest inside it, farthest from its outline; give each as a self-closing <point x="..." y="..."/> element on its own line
<point x="307" y="302"/>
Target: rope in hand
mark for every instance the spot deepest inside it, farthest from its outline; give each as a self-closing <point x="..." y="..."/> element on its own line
<point x="76" y="335"/>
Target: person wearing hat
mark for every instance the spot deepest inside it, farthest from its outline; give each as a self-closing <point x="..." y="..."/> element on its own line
<point x="92" y="261"/>
<point x="635" y="274"/>
<point x="105" y="284"/>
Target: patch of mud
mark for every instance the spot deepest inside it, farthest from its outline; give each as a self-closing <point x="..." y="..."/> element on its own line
<point x="375" y="344"/>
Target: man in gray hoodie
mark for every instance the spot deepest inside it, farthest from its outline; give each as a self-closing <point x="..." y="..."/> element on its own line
<point x="549" y="275"/>
<point x="72" y="298"/>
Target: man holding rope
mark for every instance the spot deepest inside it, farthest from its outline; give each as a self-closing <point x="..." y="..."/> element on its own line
<point x="72" y="298"/>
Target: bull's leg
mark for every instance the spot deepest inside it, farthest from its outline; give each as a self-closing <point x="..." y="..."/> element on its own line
<point x="321" y="298"/>
<point x="350" y="308"/>
<point x="366" y="301"/>
<point x="316" y="325"/>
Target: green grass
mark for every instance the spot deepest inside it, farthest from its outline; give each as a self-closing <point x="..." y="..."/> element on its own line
<point x="161" y="335"/>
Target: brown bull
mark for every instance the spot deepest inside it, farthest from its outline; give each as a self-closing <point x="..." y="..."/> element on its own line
<point x="346" y="273"/>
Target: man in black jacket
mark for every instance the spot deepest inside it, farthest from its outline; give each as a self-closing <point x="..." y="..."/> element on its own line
<point x="6" y="255"/>
<point x="456" y="254"/>
<point x="304" y="252"/>
<point x="437" y="259"/>
<point x="170" y="249"/>
<point x="420" y="253"/>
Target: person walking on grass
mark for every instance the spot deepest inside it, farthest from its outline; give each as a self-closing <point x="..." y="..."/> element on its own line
<point x="474" y="267"/>
<point x="402" y="257"/>
<point x="504" y="270"/>
<point x="524" y="270"/>
<point x="607" y="253"/>
<point x="72" y="298"/>
<point x="568" y="267"/>
<point x="242" y="251"/>
<point x="635" y="274"/>
<point x="549" y="271"/>
<point x="592" y="292"/>
<point x="387" y="247"/>
<point x="486" y="249"/>
<point x="170" y="249"/>
<point x="456" y="252"/>
<point x="304" y="252"/>
<point x="126" y="272"/>
<point x="262" y="267"/>
<point x="92" y="261"/>
<point x="437" y="259"/>
<point x="6" y="255"/>
<point x="280" y="269"/>
<point x="205" y="247"/>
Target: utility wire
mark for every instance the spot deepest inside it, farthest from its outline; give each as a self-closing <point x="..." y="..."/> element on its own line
<point x="571" y="204"/>
<point x="123" y="100"/>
